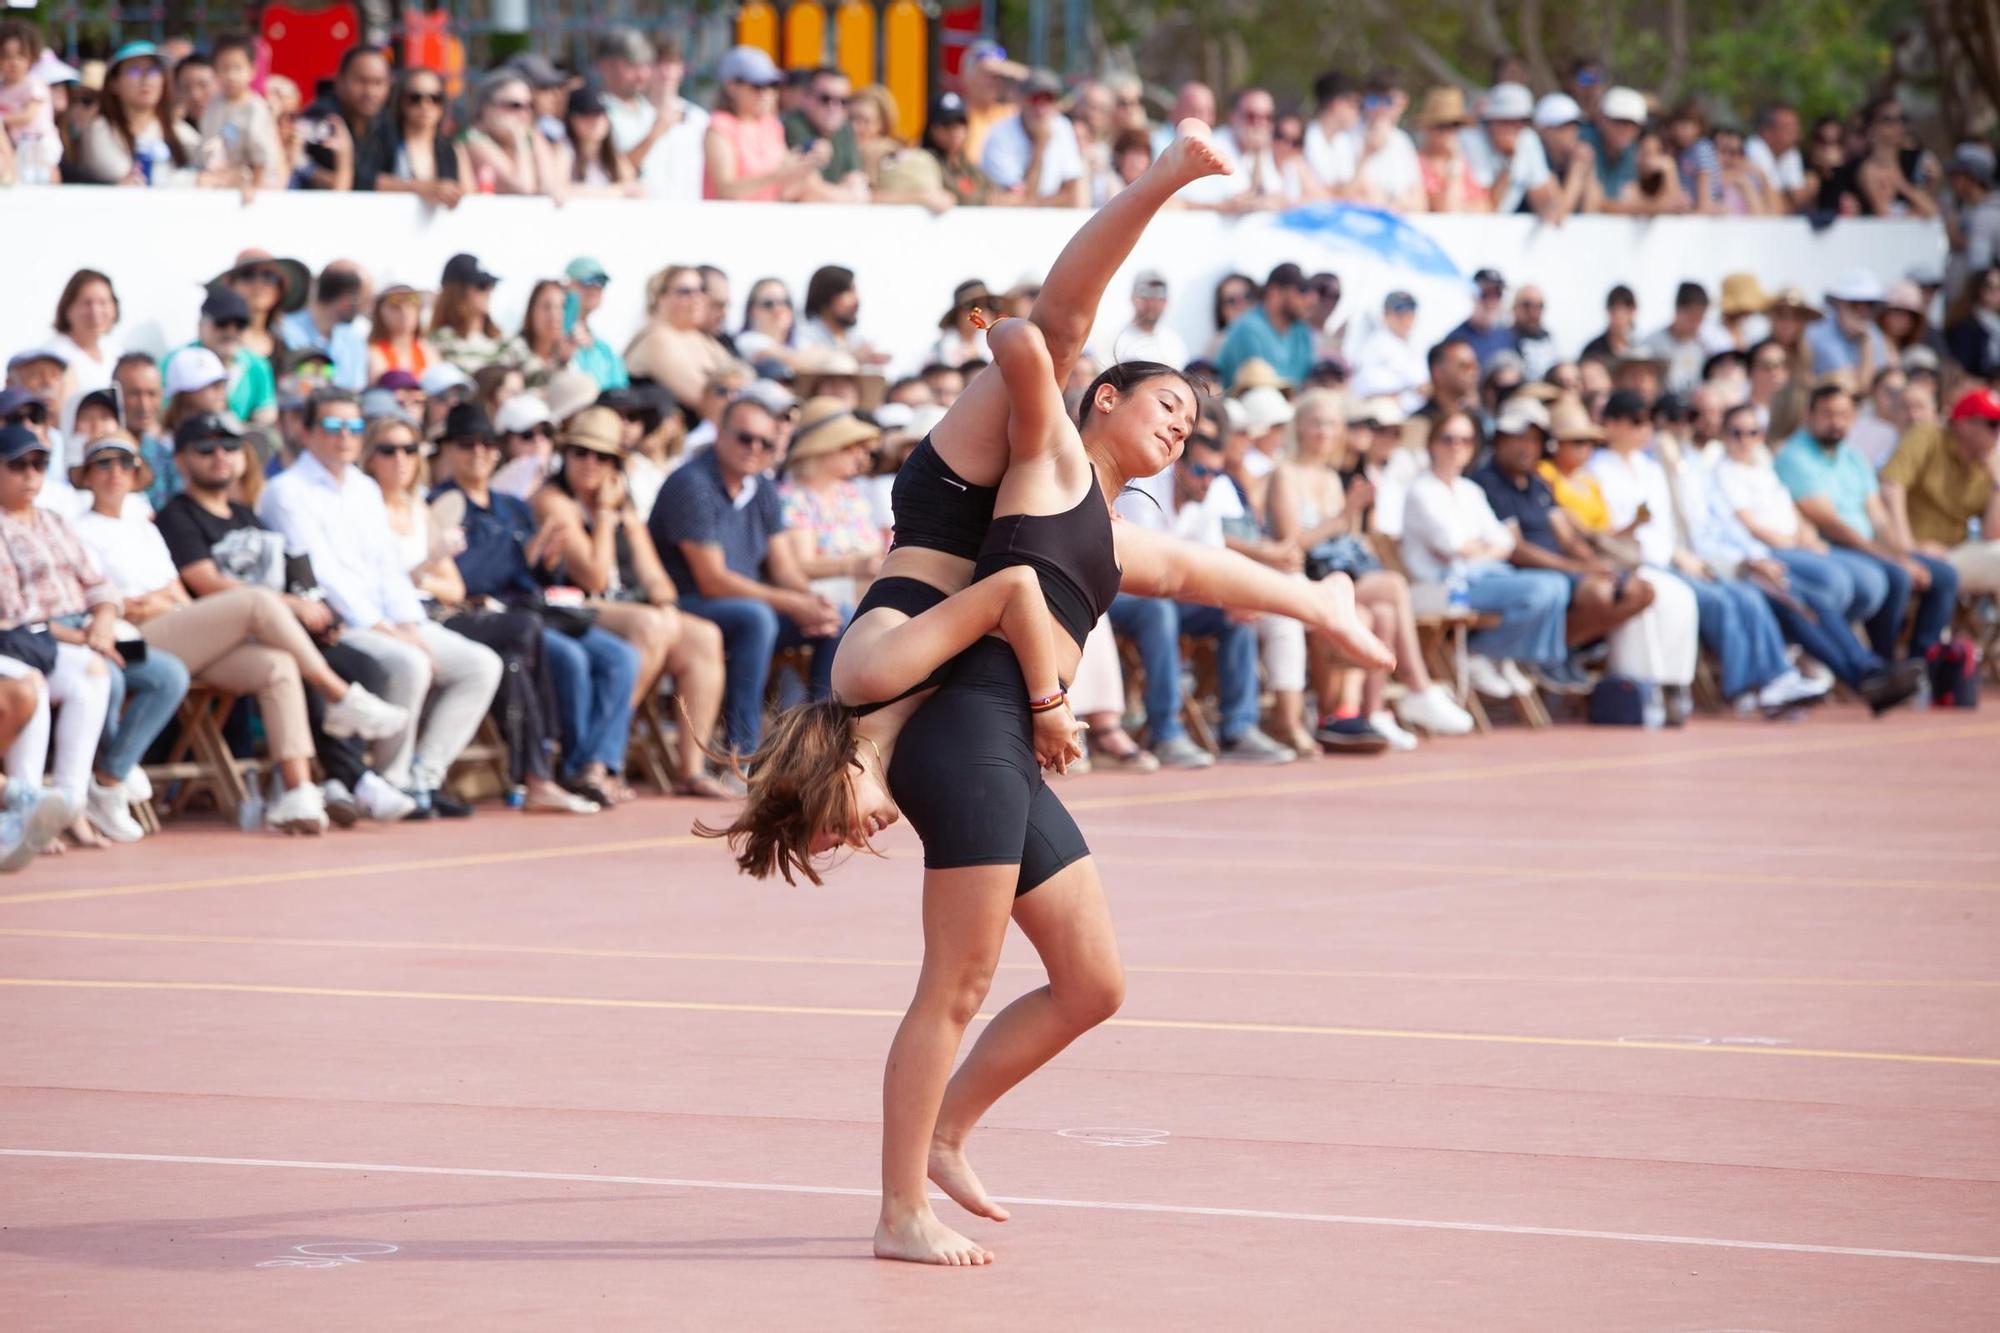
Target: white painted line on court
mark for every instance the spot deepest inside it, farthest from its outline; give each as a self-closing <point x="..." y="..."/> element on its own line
<point x="1093" y="1205"/>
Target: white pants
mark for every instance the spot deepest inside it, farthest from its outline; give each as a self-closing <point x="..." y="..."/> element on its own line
<point x="1660" y="644"/>
<point x="1099" y="686"/>
<point x="1283" y="641"/>
<point x="1978" y="565"/>
<point x="458" y="677"/>
<point x="81" y="684"/>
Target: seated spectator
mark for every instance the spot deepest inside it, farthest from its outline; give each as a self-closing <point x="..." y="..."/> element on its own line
<point x="527" y="439"/>
<point x="593" y="355"/>
<point x="1131" y="154"/>
<point x="962" y="333"/>
<point x="140" y="394"/>
<point x="1880" y="424"/>
<point x="1185" y="501"/>
<point x="1482" y="328"/>
<point x="595" y="539"/>
<point x="1738" y="188"/>
<point x="543" y="346"/>
<point x="1449" y="185"/>
<point x="1906" y="325"/>
<point x="1973" y="335"/>
<point x="719" y="528"/>
<point x="1850" y="340"/>
<point x="588" y="158"/>
<point x="1941" y="479"/>
<point x="1453" y="542"/>
<point x="896" y="173"/>
<point x="1684" y="345"/>
<point x="252" y="391"/>
<point x="396" y="333"/>
<point x="1033" y="154"/>
<point x="244" y="641"/>
<point x="832" y="312"/>
<point x="723" y="385"/>
<point x="331" y="323"/>
<point x="86" y="684"/>
<point x="1621" y="321"/>
<point x="136" y="138"/>
<point x="193" y="78"/>
<point x="1389" y="364"/>
<point x="462" y="327"/>
<point x="506" y="154"/>
<point x="1454" y="381"/>
<point x="328" y="510"/>
<point x="239" y="137"/>
<point x="655" y="440"/>
<point x="272" y="288"/>
<point x="673" y="348"/>
<point x="32" y="816"/>
<point x="822" y="118"/>
<point x="745" y="146"/>
<point x="1274" y="330"/>
<point x="947" y="137"/>
<point x="1307" y="509"/>
<point x="86" y="315"/>
<point x="410" y="153"/>
<point x="1836" y="489"/>
<point x="841" y="546"/>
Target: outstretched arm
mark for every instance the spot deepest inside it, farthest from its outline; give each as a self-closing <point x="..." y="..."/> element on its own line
<point x="1157" y="565"/>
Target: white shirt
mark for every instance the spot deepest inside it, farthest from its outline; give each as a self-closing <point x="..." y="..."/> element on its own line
<point x="1628" y="483"/>
<point x="1684" y="359"/>
<point x="1394" y="362"/>
<point x="1158" y="508"/>
<point x="1392" y="489"/>
<point x="1007" y="153"/>
<point x="1528" y="168"/>
<point x="1787" y="172"/>
<point x="674" y="164"/>
<point x="631" y="120"/>
<point x="341" y="524"/>
<point x="1757" y="495"/>
<point x="1438" y="522"/>
<point x="1395" y="170"/>
<point x="1261" y="171"/>
<point x="1136" y="344"/>
<point x="1873" y="438"/>
<point x="1332" y="157"/>
<point x="86" y="373"/>
<point x="131" y="552"/>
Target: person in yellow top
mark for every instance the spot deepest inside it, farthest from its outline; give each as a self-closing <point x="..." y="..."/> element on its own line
<point x="1940" y="478"/>
<point x="1576" y="437"/>
<point x="987" y="80"/>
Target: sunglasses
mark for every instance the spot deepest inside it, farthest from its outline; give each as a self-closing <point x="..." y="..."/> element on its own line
<point x="577" y="453"/>
<point x="829" y="99"/>
<point x="231" y="325"/>
<point x="342" y="425"/>
<point x="423" y="99"/>
<point x="1288" y="140"/>
<point x="31" y="463"/>
<point x="1745" y="433"/>
<point x="1456" y="438"/>
<point x="208" y="448"/>
<point x="512" y="106"/>
<point x="123" y="462"/>
<point x="773" y="303"/>
<point x="34" y="414"/>
<point x="270" y="277"/>
<point x="410" y="450"/>
<point x="539" y="431"/>
<point x="761" y="443"/>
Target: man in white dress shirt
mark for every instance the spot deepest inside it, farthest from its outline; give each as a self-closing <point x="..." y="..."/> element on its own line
<point x="331" y="512"/>
<point x="1146" y="338"/>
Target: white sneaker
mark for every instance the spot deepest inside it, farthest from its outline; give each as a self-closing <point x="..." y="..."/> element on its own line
<point x="1435" y="711"/>
<point x="1523" y="687"/>
<point x="1487" y="678"/>
<point x="341" y="806"/>
<point x="1384" y="721"/>
<point x="1790" y="688"/>
<point x="138" y="787"/>
<point x="380" y="801"/>
<point x="35" y="817"/>
<point x="110" y="813"/>
<point x="302" y="810"/>
<point x="1182" y="752"/>
<point x="362" y="714"/>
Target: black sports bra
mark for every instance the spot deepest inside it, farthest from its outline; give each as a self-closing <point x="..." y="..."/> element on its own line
<point x="935" y="508"/>
<point x="912" y="597"/>
<point x="1073" y="554"/>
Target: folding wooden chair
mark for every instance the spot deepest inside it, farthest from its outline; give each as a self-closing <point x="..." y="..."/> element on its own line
<point x="653" y="750"/>
<point x="480" y="771"/>
<point x="199" y="761"/>
<point x="1444" y="637"/>
<point x="1196" y="653"/>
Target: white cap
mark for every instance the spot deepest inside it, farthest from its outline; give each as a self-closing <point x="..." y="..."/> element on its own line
<point x="772" y="396"/>
<point x="1379" y="411"/>
<point x="522" y="412"/>
<point x="1507" y="101"/>
<point x="442" y="378"/>
<point x="1857" y="284"/>
<point x="1556" y="109"/>
<point x="567" y="393"/>
<point x="1265" y="408"/>
<point x="1236" y="415"/>
<point x="1519" y="413"/>
<point x="194" y="368"/>
<point x="1623" y="104"/>
<point x="893" y="416"/>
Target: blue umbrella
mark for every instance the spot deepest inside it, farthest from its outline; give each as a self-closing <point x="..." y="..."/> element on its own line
<point x="1372" y="231"/>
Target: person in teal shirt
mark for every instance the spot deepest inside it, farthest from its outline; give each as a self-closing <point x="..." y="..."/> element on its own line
<point x="593" y="356"/>
<point x="253" y="387"/>
<point x="1277" y="330"/>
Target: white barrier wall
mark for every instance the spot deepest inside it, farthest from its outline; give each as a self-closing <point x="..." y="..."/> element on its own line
<point x="159" y="246"/>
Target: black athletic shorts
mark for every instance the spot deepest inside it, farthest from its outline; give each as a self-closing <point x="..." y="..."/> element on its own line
<point x="964" y="774"/>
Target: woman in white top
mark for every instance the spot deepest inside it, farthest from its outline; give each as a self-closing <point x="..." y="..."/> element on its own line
<point x="243" y="641"/>
<point x="1750" y="483"/>
<point x="1452" y="537"/>
<point x="86" y="312"/>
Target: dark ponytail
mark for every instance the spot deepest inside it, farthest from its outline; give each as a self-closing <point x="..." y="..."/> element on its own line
<point x="1126" y="376"/>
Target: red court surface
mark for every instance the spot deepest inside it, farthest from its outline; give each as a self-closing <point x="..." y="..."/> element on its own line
<point x="1573" y="1030"/>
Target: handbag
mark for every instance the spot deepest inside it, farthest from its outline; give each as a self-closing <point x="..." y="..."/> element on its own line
<point x="575" y="621"/>
<point x="1345" y="554"/>
<point x="30" y="645"/>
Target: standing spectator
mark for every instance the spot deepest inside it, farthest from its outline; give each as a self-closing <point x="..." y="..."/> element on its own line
<point x="1682" y="344"/>
<point x="1506" y="158"/>
<point x="137" y="379"/>
<point x="1449" y="186"/>
<point x="193" y="78"/>
<point x="1973" y="335"/>
<point x="462" y="327"/>
<point x="1386" y="173"/>
<point x="1146" y="338"/>
<point x="27" y="109"/>
<point x="745" y="145"/>
<point x="239" y="136"/>
<point x="1532" y="338"/>
<point x="338" y="126"/>
<point x="136" y="138"/>
<point x="1737" y="188"/>
<point x="1275" y="330"/>
<point x="592" y="355"/>
<point x="1850" y="340"/>
<point x="587" y="157"/>
<point x="823" y="119"/>
<point x="1621" y="317"/>
<point x="396" y="332"/>
<point x="986" y="81"/>
<point x="328" y="510"/>
<point x="674" y="348"/>
<point x="253" y="388"/>
<point x="671" y="169"/>
<point x="1389" y="360"/>
<point x="1836" y="489"/>
<point x="411" y="153"/>
<point x="1585" y="85"/>
<point x="1193" y="100"/>
<point x="507" y="155"/>
<point x="1257" y="180"/>
<point x="1333" y="137"/>
<point x="1685" y="136"/>
<point x="86" y="313"/>
<point x="947" y="136"/>
<point x="1891" y="179"/>
<point x="765" y="338"/>
<point x="1774" y="150"/>
<point x="1572" y="162"/>
<point x="1034" y="152"/>
<point x="1941" y="480"/>
<point x="331" y="323"/>
<point x="1973" y="225"/>
<point x="719" y="528"/>
<point x="1613" y="138"/>
<point x="1482" y="328"/>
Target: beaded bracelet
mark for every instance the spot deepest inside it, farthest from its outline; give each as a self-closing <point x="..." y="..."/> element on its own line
<point x="1048" y="702"/>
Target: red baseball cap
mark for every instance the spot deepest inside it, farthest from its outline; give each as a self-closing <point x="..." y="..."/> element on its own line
<point x="1977" y="405"/>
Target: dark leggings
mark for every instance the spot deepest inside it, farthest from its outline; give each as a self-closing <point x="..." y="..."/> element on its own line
<point x="526" y="697"/>
<point x="964" y="774"/>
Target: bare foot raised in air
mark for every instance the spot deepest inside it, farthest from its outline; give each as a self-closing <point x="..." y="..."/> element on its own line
<point x="1343" y="629"/>
<point x="950" y="1172"/>
<point x="1191" y="156"/>
<point x="920" y="1238"/>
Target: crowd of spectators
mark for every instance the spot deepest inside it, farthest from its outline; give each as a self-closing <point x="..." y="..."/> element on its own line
<point x="178" y="114"/>
<point x="375" y="523"/>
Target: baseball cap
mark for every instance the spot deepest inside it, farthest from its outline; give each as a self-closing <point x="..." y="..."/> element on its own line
<point x="981" y="52"/>
<point x="33" y="354"/>
<point x="225" y="305"/>
<point x="468" y="421"/>
<point x="748" y="64"/>
<point x="521" y="413"/>
<point x="398" y="380"/>
<point x="19" y="442"/>
<point x="202" y="427"/>
<point x="13" y="400"/>
<point x="948" y="110"/>
<point x="1149" y="282"/>
<point x="1041" y="83"/>
<point x="1399" y="303"/>
<point x="770" y="395"/>
<point x="1489" y="277"/>
<point x="1507" y="101"/>
<point x="1904" y="295"/>
<point x="1556" y="109"/>
<point x="584" y="101"/>
<point x="1520" y="415"/>
<point x="1266" y="408"/>
<point x="376" y="403"/>
<point x="442" y="378"/>
<point x="1974" y="160"/>
<point x="587" y="271"/>
<point x="1626" y="104"/>
<point x="1859" y="285"/>
<point x="1625" y="405"/>
<point x="1977" y="405"/>
<point x="539" y="70"/>
<point x="465" y="268"/>
<point x="194" y="368"/>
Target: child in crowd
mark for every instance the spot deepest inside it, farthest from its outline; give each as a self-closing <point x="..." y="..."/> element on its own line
<point x="239" y="136"/>
<point x="26" y="109"/>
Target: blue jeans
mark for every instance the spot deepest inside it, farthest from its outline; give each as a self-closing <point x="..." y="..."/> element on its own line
<point x="1155" y="626"/>
<point x="1883" y="589"/>
<point x="144" y="697"/>
<point x="1532" y="605"/>
<point x="1738" y="627"/>
<point x="594" y="677"/>
<point x="1827" y="591"/>
<point x="751" y="633"/>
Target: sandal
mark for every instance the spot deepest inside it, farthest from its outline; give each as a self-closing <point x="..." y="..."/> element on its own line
<point x="700" y="786"/>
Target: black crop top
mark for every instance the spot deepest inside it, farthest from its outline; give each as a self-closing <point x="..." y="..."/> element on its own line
<point x="912" y="597"/>
<point x="1073" y="554"/>
<point x="936" y="509"/>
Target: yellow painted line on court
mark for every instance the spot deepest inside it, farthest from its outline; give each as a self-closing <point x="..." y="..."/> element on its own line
<point x="830" y="1011"/>
<point x="564" y="852"/>
<point x="1335" y="864"/>
<point x="910" y="964"/>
